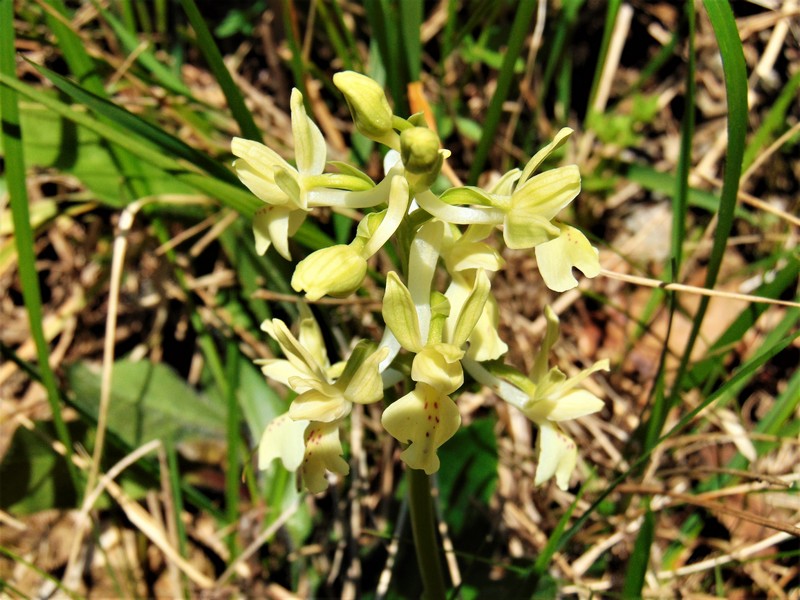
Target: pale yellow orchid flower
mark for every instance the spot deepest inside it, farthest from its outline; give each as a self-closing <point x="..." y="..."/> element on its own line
<point x="307" y="436"/>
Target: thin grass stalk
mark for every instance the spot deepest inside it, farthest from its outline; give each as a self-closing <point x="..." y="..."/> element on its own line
<point x="16" y="559"/>
<point x="730" y="46"/>
<point x="128" y="15"/>
<point x="351" y="40"/>
<point x="73" y="49"/>
<point x="410" y="25"/>
<point x="546" y="555"/>
<point x="234" y="437"/>
<point x="340" y="47"/>
<point x="161" y="18"/>
<point x="516" y="39"/>
<point x="208" y="46"/>
<point x="680" y="201"/>
<point x="384" y="34"/>
<point x="556" y="54"/>
<point x="608" y="34"/>
<point x="145" y="57"/>
<point x="640" y="557"/>
<point x="299" y="71"/>
<point x="177" y="503"/>
<point x="710" y="369"/>
<point x="11" y="133"/>
<point x="774" y="119"/>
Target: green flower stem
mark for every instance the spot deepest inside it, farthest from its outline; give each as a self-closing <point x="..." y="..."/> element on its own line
<point x="423" y="524"/>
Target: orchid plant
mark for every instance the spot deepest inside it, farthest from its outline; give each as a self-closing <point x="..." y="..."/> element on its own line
<point x="441" y="334"/>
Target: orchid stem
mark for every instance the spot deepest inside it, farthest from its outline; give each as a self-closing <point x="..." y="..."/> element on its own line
<point x="423" y="524"/>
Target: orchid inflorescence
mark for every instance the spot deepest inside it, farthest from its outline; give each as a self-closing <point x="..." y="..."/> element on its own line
<point x="445" y="332"/>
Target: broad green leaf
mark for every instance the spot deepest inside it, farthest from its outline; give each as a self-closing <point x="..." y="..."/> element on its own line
<point x="149" y="401"/>
<point x="50" y="141"/>
<point x="35" y="477"/>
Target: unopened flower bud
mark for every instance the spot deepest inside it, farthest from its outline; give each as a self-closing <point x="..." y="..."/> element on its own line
<point x="368" y="105"/>
<point x="334" y="271"/>
<point x="419" y="151"/>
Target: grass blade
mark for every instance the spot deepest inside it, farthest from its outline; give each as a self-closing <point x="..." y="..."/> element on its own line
<point x="379" y="15"/>
<point x="681" y="196"/>
<point x="516" y="39"/>
<point x="730" y="47"/>
<point x="234" y="437"/>
<point x="235" y="197"/>
<point x="160" y="73"/>
<point x="23" y="235"/>
<point x="80" y="63"/>
<point x="640" y="558"/>
<point x="608" y="31"/>
<point x="410" y="25"/>
<point x="127" y="120"/>
<point x="775" y="119"/>
<point x="208" y="47"/>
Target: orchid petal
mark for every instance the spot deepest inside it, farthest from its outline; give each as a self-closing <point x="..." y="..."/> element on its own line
<point x="280" y="370"/>
<point x="398" y="207"/>
<point x="575" y="404"/>
<point x="557" y="257"/>
<point x="261" y="183"/>
<point x="400" y="315"/>
<point x="557" y="455"/>
<point x="257" y="155"/>
<point x="323" y="452"/>
<point x="284" y="439"/>
<point x="542" y="154"/>
<point x="366" y="386"/>
<point x="294" y="350"/>
<point x="547" y="193"/>
<point x="438" y="366"/>
<point x="550" y="338"/>
<point x="310" y="336"/>
<point x="310" y="150"/>
<point x="484" y="340"/>
<point x="425" y="419"/>
<point x="317" y="405"/>
<point x="472" y="309"/>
